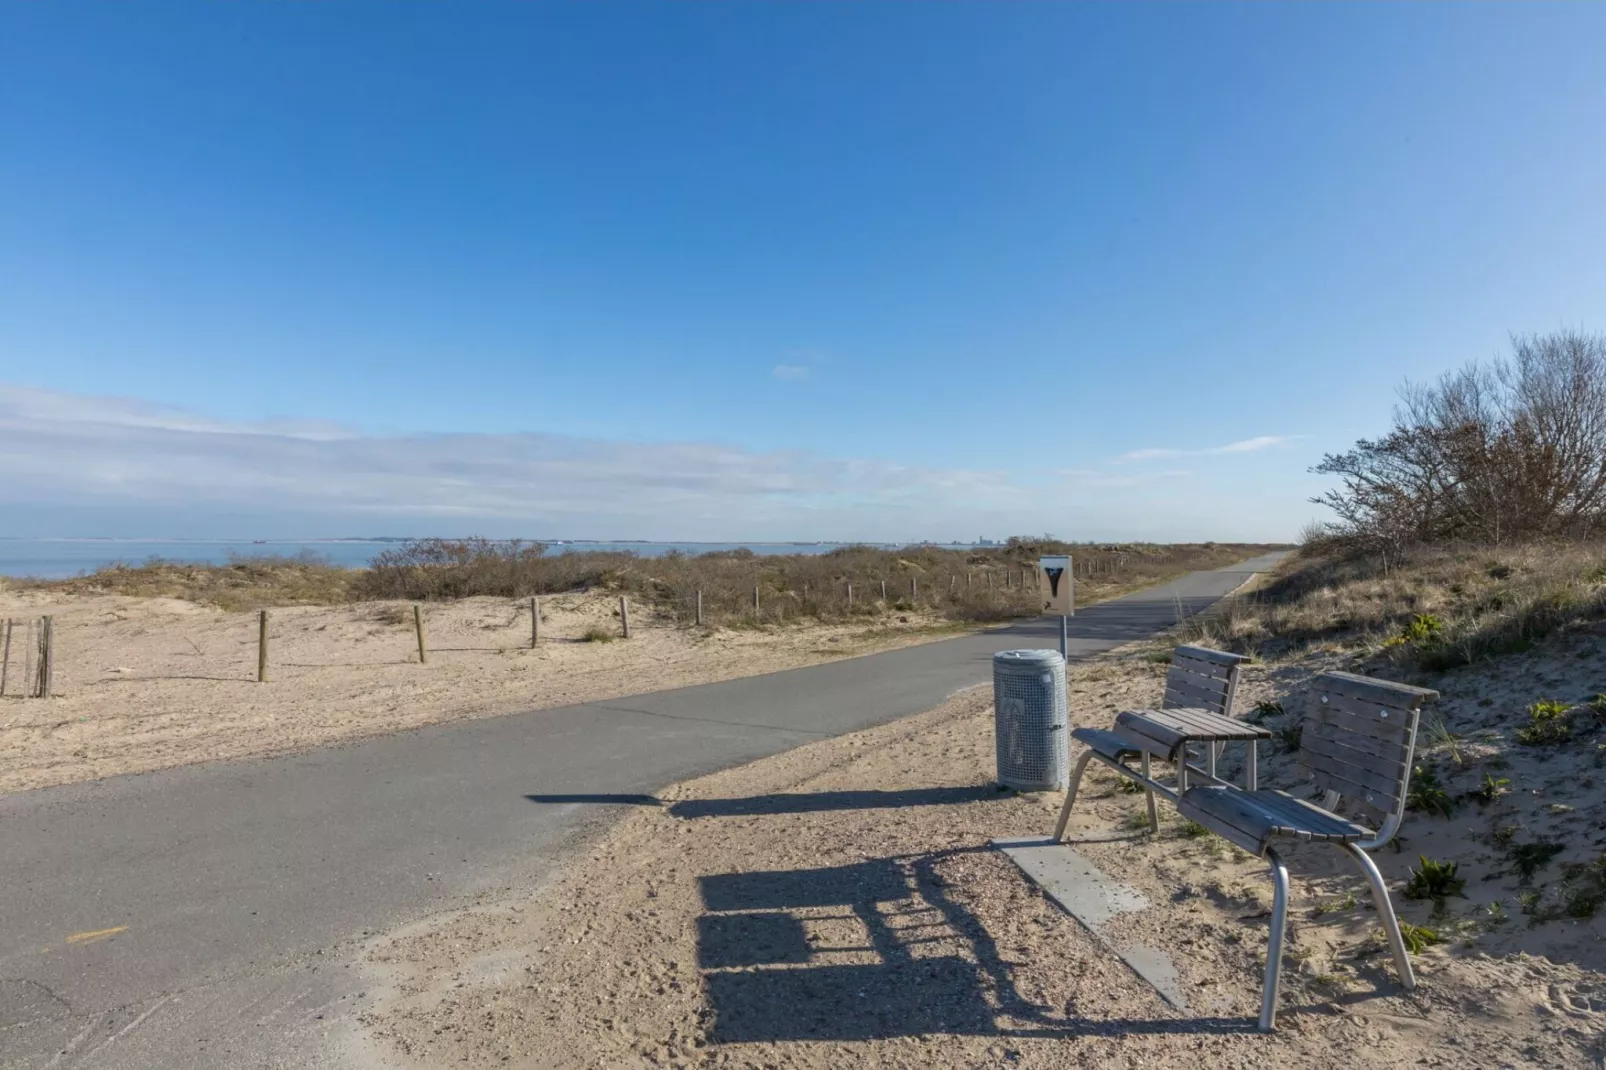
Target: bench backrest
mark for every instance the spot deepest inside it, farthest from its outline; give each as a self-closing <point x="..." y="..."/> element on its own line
<point x="1201" y="678"/>
<point x="1358" y="739"/>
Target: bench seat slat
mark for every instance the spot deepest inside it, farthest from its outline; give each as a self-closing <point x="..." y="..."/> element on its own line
<point x="1339" y="718"/>
<point x="1186" y="693"/>
<point x="1331" y="779"/>
<point x="1134" y="723"/>
<point x="1259" y="816"/>
<point x="1204" y="653"/>
<point x="1376" y="692"/>
<point x="1393" y="749"/>
<point x="1203" y="671"/>
<point x="1106" y="743"/>
<point x="1389" y="768"/>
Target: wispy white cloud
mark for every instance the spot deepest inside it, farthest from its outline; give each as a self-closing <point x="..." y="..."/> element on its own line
<point x="64" y="449"/>
<point x="1246" y="445"/>
<point x="790" y="372"/>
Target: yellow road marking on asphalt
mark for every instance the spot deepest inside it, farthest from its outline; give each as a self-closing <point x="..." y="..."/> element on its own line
<point x="98" y="934"/>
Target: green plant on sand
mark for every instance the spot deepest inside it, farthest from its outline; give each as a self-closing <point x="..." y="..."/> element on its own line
<point x="1548" y="724"/>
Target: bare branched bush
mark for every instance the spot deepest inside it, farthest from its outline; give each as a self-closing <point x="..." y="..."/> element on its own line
<point x="970" y="586"/>
<point x="1505" y="451"/>
<point x="977" y="586"/>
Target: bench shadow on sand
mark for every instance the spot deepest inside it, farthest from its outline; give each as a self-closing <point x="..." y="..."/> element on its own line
<point x="767" y="980"/>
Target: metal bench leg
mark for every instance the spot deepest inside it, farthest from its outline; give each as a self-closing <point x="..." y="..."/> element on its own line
<point x="1154" y="817"/>
<point x="1274" y="949"/>
<point x="1070" y="794"/>
<point x="1385" y="911"/>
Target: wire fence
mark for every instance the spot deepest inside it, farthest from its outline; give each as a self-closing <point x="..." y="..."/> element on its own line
<point x="748" y="595"/>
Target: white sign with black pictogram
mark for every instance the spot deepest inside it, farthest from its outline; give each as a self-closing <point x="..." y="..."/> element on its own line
<point x="1054" y="583"/>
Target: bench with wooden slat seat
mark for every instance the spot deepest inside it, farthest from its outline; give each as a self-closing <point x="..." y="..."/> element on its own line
<point x="1199" y="679"/>
<point x="1358" y="738"/>
<point x="1357" y="741"/>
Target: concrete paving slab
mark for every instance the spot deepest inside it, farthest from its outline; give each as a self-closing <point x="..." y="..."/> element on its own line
<point x="1093" y="898"/>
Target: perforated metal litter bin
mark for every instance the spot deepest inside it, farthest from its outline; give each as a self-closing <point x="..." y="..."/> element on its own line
<point x="1030" y="719"/>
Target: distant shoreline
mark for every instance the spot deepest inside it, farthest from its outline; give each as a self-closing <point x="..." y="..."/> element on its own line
<point x="63" y="557"/>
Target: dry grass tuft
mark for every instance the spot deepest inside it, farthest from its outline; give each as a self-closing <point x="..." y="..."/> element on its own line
<point x="1433" y="607"/>
<point x="244" y="583"/>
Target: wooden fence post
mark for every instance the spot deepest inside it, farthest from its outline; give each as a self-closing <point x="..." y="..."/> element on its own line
<point x="47" y="656"/>
<point x="418" y="626"/>
<point x="624" y="616"/>
<point x="850" y="596"/>
<point x="755" y="603"/>
<point x="535" y="621"/>
<point x="914" y="588"/>
<point x="5" y="663"/>
<point x="883" y="590"/>
<point x="262" y="647"/>
<point x="699" y="607"/>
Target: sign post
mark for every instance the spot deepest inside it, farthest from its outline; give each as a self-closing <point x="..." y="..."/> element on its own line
<point x="1057" y="585"/>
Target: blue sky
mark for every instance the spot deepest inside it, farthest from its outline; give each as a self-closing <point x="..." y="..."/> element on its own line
<point x="762" y="271"/>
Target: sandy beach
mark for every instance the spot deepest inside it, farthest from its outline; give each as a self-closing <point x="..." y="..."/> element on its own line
<point x="147" y="683"/>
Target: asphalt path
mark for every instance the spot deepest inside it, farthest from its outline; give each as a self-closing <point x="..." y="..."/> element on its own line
<point x="213" y="915"/>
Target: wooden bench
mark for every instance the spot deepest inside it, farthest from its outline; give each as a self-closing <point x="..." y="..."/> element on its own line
<point x="1357" y="741"/>
<point x="1199" y="678"/>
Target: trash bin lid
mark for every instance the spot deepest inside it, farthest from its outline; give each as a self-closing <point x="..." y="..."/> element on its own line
<point x="1030" y="660"/>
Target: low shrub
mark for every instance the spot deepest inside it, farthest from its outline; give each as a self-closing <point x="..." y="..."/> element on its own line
<point x="1529" y="858"/>
<point x="1427" y="795"/>
<point x="1548" y="724"/>
<point x="1435" y="880"/>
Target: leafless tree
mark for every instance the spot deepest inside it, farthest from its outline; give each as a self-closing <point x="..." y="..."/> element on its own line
<point x="1511" y="449"/>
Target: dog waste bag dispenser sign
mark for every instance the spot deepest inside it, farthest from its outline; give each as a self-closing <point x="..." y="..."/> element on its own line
<point x="1054" y="583"/>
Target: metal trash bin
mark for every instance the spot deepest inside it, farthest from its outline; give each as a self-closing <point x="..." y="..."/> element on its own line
<point x="1030" y="720"/>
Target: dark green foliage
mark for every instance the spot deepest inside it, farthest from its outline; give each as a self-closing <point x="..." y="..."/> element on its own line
<point x="1427" y="795"/>
<point x="1424" y="628"/>
<point x="1418" y="937"/>
<point x="1434" y="880"/>
<point x="1548" y="724"/>
<point x="1264" y="709"/>
<point x="1529" y="858"/>
<point x="1492" y="789"/>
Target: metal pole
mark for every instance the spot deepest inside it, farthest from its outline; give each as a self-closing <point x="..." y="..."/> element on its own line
<point x="1065" y="636"/>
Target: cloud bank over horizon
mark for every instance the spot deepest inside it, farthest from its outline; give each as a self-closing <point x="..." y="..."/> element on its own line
<point x="131" y="468"/>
